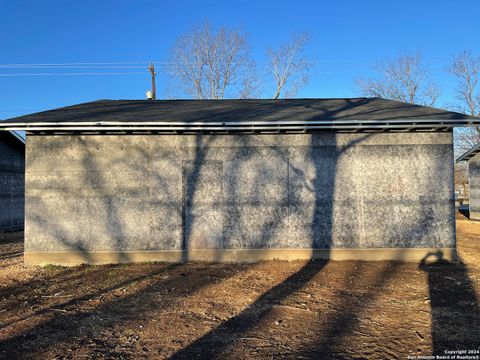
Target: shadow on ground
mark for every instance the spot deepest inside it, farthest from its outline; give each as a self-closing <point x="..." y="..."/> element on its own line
<point x="453" y="304"/>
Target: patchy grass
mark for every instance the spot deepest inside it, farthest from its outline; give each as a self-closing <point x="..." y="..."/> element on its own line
<point x="315" y="309"/>
<point x="50" y="268"/>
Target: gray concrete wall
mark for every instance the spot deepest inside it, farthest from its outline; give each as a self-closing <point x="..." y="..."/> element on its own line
<point x="12" y="167"/>
<point x="474" y="186"/>
<point x="165" y="192"/>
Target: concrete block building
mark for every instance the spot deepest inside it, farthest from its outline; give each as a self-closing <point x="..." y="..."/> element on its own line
<point x="238" y="180"/>
<point x="472" y="156"/>
<point x="12" y="167"/>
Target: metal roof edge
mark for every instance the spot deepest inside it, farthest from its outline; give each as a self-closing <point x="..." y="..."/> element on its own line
<point x="469" y="154"/>
<point x="18" y="137"/>
<point x="199" y="125"/>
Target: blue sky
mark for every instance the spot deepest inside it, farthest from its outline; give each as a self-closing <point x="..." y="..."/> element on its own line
<point x="347" y="39"/>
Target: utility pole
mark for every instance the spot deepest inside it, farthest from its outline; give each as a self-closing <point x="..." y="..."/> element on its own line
<point x="151" y="69"/>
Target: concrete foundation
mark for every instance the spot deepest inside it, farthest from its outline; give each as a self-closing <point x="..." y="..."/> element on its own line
<point x="69" y="258"/>
<point x="224" y="194"/>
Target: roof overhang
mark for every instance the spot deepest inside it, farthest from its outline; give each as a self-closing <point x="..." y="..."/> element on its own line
<point x="469" y="154"/>
<point x="400" y="125"/>
<point x="17" y="136"/>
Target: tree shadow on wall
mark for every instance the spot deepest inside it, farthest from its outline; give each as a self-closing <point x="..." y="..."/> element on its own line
<point x="218" y="341"/>
<point x="76" y="206"/>
<point x="339" y="324"/>
<point x="347" y="317"/>
<point x="191" y="181"/>
<point x="320" y="223"/>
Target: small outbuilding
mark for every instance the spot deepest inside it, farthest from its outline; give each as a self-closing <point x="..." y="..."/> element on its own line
<point x="238" y="180"/>
<point x="12" y="168"/>
<point x="472" y="156"/>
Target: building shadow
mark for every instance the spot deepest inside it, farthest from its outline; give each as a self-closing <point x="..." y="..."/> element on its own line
<point x="11" y="246"/>
<point x="464" y="210"/>
<point x="453" y="304"/>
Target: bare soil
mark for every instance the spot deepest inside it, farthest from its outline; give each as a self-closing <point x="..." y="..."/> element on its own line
<point x="316" y="309"/>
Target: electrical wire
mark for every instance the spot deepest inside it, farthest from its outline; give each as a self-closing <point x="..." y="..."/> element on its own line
<point x="73" y="74"/>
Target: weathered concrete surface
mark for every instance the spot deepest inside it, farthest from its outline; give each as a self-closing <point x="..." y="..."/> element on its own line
<point x="474" y="185"/>
<point x="12" y="167"/>
<point x="326" y="190"/>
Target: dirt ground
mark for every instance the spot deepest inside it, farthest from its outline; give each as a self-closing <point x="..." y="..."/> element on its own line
<point x="316" y="309"/>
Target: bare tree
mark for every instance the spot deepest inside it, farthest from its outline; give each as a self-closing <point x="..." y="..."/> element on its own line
<point x="465" y="139"/>
<point x="212" y="64"/>
<point x="289" y="65"/>
<point x="466" y="68"/>
<point x="403" y="79"/>
<point x="251" y="87"/>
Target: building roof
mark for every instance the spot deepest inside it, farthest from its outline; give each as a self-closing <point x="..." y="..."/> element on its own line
<point x="373" y="114"/>
<point x="469" y="154"/>
<point x="17" y="137"/>
<point x="13" y="138"/>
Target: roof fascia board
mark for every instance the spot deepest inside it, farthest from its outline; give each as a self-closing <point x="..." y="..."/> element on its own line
<point x="238" y="123"/>
<point x="233" y="128"/>
<point x="356" y="124"/>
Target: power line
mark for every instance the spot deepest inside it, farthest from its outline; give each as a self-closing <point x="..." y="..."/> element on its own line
<point x="136" y="64"/>
<point x="78" y="74"/>
<point x="116" y="65"/>
<point x="74" y="74"/>
<point x="85" y="63"/>
<point x="80" y="65"/>
<point x="72" y="67"/>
